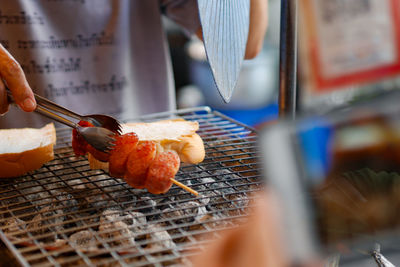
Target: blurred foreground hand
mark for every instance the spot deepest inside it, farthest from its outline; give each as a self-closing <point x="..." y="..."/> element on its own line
<point x="257" y="243"/>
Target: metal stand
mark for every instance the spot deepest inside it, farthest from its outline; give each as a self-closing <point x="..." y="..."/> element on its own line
<point x="288" y="59"/>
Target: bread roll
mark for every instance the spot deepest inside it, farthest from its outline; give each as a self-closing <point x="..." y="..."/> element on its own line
<point x="178" y="135"/>
<point x="26" y="149"/>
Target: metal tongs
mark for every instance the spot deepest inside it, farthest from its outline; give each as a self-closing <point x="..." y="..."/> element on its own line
<point x="101" y="136"/>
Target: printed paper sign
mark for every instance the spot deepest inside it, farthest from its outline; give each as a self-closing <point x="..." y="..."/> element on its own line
<point x="346" y="43"/>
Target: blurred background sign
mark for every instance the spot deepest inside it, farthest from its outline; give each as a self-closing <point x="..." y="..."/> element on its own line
<point x="347" y="43"/>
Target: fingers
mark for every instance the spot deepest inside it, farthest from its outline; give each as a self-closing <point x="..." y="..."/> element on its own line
<point x="256" y="243"/>
<point x="3" y="99"/>
<point x="13" y="75"/>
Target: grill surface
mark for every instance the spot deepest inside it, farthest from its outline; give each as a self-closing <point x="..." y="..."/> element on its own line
<point x="66" y="214"/>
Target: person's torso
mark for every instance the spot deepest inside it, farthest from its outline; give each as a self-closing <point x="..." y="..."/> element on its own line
<point x="91" y="56"/>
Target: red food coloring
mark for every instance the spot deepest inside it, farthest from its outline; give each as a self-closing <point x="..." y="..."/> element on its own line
<point x="79" y="144"/>
<point x="97" y="154"/>
<point x="138" y="163"/>
<point x="124" y="145"/>
<point x="163" y="168"/>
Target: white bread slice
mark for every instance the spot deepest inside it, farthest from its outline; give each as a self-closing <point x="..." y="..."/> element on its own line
<point x="25" y="149"/>
<point x="178" y="134"/>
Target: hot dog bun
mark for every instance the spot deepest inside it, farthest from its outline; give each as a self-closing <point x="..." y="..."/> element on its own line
<point x="178" y="135"/>
<point x="25" y="149"/>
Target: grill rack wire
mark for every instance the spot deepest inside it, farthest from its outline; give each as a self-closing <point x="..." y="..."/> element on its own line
<point x="65" y="214"/>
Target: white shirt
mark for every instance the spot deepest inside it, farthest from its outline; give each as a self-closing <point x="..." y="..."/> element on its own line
<point x="94" y="56"/>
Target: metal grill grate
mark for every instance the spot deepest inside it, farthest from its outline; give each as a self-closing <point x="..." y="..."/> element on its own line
<point x="65" y="214"/>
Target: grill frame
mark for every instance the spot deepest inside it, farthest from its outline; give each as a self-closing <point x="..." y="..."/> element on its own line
<point x="231" y="161"/>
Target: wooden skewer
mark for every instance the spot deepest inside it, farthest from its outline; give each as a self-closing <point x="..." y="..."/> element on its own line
<point x="187" y="188"/>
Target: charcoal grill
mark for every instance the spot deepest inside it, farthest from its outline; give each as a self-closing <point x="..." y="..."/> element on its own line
<point x="66" y="214"/>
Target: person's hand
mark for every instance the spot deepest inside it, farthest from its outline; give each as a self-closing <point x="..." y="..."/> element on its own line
<point x="257" y="243"/>
<point x="12" y="74"/>
<point x="257" y="28"/>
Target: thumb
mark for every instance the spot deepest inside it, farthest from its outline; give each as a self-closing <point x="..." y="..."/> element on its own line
<point x="13" y="76"/>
